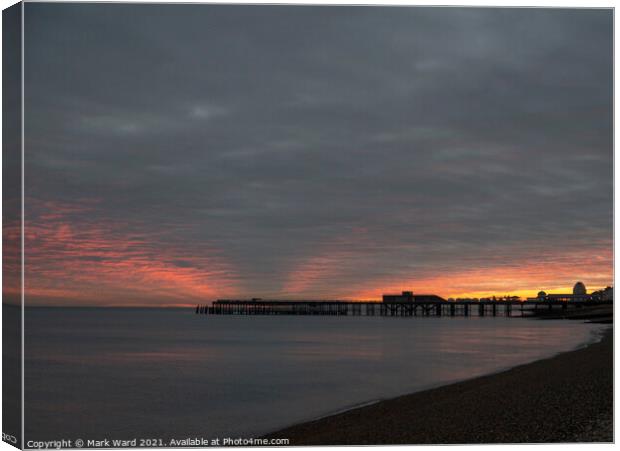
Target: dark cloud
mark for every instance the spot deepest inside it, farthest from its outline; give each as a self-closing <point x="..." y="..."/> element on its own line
<point x="386" y="142"/>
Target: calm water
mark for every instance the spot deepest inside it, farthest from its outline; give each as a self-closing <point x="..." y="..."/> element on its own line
<point x="96" y="373"/>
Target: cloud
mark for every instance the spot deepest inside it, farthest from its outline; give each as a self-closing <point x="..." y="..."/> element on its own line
<point x="72" y="258"/>
<point x="452" y="136"/>
<point x="205" y="111"/>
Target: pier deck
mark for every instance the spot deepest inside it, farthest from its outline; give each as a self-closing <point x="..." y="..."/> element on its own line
<point x="377" y="308"/>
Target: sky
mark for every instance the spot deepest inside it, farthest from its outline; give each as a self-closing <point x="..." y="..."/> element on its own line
<point x="183" y="153"/>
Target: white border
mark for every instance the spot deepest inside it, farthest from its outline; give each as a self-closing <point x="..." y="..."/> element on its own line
<point x="23" y="253"/>
<point x="445" y="3"/>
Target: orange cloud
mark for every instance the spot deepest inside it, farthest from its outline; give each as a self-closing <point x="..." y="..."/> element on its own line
<point x="525" y="277"/>
<point x="76" y="257"/>
<point x="11" y="261"/>
<point x="73" y="260"/>
<point x="320" y="274"/>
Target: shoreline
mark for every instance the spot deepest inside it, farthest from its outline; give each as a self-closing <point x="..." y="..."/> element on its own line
<point x="595" y="338"/>
<point x="567" y="397"/>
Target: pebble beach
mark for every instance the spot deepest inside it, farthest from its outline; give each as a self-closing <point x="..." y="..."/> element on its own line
<point x="566" y="398"/>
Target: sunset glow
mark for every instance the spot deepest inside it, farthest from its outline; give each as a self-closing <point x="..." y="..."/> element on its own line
<point x="102" y="263"/>
<point x="72" y="260"/>
<point x="358" y="166"/>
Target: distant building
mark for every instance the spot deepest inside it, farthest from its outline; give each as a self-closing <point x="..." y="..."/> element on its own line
<point x="408" y="296"/>
<point x="606" y="294"/>
<point x="579" y="289"/>
<point x="580" y="294"/>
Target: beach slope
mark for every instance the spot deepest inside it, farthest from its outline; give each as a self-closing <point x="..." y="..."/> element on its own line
<point x="566" y="398"/>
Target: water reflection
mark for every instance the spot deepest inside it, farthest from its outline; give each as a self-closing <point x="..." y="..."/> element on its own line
<point x="170" y="372"/>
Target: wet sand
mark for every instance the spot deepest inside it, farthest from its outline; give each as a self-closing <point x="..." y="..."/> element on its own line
<point x="566" y="398"/>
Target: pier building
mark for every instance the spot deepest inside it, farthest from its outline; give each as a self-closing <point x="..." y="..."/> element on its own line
<point x="579" y="294"/>
<point x="408" y="296"/>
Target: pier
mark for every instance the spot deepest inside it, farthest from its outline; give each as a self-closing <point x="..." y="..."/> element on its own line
<point x="393" y="309"/>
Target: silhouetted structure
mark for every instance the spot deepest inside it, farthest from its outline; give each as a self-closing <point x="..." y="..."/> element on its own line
<point x="580" y="294"/>
<point x="607" y="294"/>
<point x="408" y="296"/>
<point x="579" y="289"/>
<point x="433" y="307"/>
<point x="409" y="304"/>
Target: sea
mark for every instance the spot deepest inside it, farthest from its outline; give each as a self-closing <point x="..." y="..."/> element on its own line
<point x="130" y="373"/>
